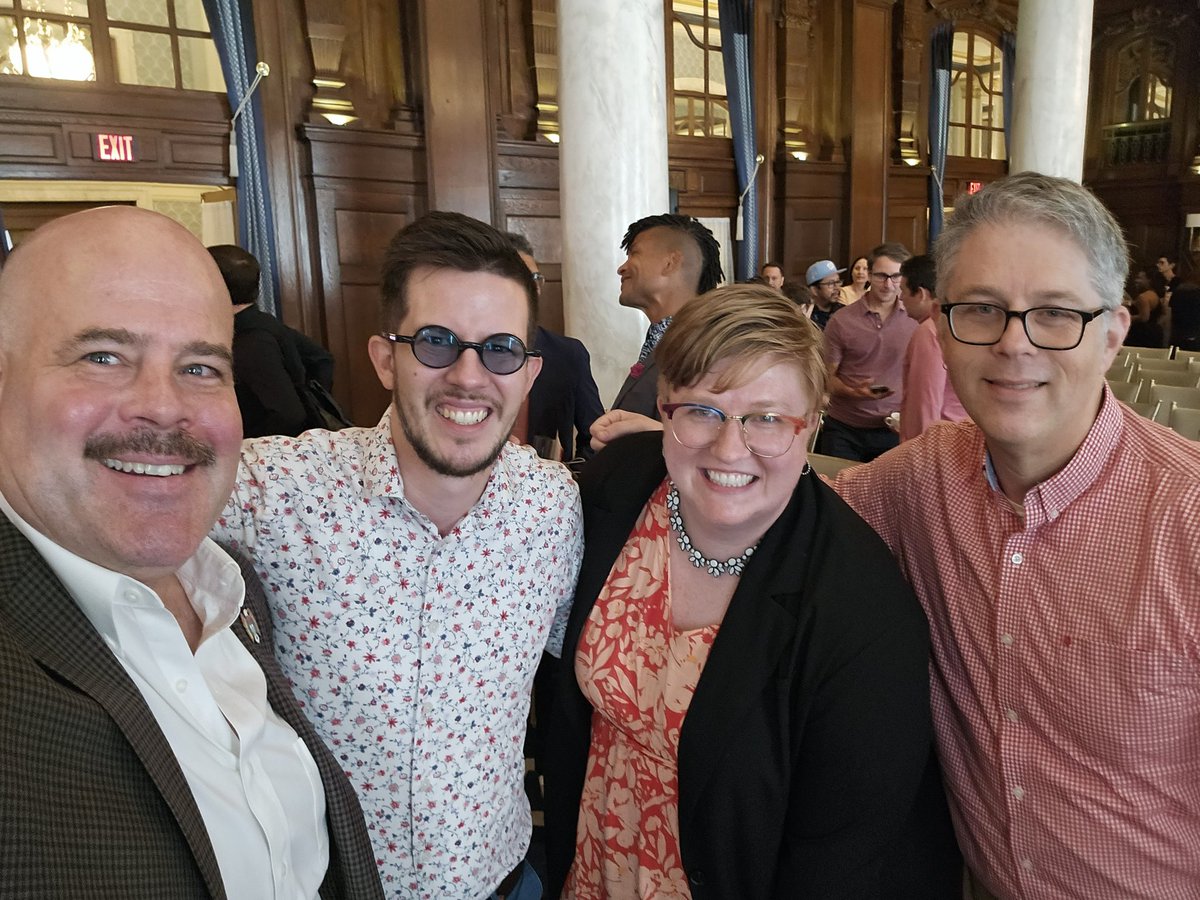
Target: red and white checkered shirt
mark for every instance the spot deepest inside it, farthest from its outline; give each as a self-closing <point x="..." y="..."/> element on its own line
<point x="1066" y="653"/>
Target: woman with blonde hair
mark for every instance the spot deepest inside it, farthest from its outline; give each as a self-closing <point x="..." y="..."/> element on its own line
<point x="745" y="708"/>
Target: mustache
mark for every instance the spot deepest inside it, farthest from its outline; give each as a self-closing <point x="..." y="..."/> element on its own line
<point x="177" y="444"/>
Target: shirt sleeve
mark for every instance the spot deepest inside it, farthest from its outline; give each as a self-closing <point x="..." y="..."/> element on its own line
<point x="833" y="342"/>
<point x="925" y="387"/>
<point x="571" y="542"/>
<point x="235" y="525"/>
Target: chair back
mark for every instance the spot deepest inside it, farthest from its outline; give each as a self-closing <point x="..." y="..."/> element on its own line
<point x="1125" y="391"/>
<point x="1146" y="410"/>
<point x="1184" y="421"/>
<point x="1150" y="352"/>
<point x="1180" y="378"/>
<point x="829" y="466"/>
<point x="1166" y="394"/>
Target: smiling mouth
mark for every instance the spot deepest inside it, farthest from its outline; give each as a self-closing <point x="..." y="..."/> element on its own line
<point x="729" y="479"/>
<point x="139" y="468"/>
<point x="463" y="416"/>
<point x="1015" y="385"/>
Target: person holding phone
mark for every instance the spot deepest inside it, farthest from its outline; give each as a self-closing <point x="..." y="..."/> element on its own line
<point x="864" y="348"/>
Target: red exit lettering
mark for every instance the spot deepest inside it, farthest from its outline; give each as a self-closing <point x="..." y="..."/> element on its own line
<point x="114" y="147"/>
<point x="974" y="187"/>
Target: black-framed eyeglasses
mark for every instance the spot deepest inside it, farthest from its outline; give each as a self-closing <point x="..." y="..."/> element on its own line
<point x="829" y="284"/>
<point x="766" y="434"/>
<point x="1047" y="327"/>
<point x="440" y="348"/>
<point x="894" y="278"/>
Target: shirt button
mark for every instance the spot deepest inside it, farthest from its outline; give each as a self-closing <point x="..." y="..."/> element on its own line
<point x="181" y="685"/>
<point x="131" y="596"/>
<point x="1013" y="717"/>
<point x="1027" y="865"/>
<point x="1006" y="640"/>
<point x="1017" y="559"/>
<point x="1019" y="793"/>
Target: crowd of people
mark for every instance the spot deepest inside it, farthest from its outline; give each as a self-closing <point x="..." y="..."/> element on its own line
<point x="301" y="664"/>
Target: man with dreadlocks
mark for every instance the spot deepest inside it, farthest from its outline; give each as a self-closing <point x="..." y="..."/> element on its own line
<point x="669" y="259"/>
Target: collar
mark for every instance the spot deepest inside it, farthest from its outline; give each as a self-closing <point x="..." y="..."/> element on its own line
<point x="212" y="580"/>
<point x="1045" y="501"/>
<point x="381" y="469"/>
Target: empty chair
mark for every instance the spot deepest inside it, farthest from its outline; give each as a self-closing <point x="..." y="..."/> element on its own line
<point x="1120" y="371"/>
<point x="1178" y="378"/>
<point x="829" y="466"/>
<point x="1148" y="367"/>
<point x="1189" y="355"/>
<point x="1146" y="410"/>
<point x="1167" y="394"/>
<point x="1184" y="421"/>
<point x="1125" y="391"/>
<point x="1150" y="352"/>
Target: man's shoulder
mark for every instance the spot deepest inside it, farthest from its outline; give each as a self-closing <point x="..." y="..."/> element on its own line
<point x="944" y="451"/>
<point x="528" y="471"/>
<point x="348" y="448"/>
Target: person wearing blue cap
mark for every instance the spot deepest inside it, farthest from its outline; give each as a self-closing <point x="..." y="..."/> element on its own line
<point x="824" y="284"/>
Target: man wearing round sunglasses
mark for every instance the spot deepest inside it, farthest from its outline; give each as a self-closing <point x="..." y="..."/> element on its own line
<point x="864" y="346"/>
<point x="1054" y="545"/>
<point x="419" y="568"/>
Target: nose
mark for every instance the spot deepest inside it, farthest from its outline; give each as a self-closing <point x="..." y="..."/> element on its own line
<point x="155" y="396"/>
<point x="729" y="444"/>
<point x="1014" y="339"/>
<point x="621" y="268"/>
<point x="468" y="370"/>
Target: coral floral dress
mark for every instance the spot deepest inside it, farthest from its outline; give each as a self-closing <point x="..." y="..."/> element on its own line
<point x="639" y="674"/>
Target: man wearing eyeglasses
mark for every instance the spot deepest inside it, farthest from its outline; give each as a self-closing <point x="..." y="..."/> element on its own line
<point x="825" y="287"/>
<point x="864" y="346"/>
<point x="417" y="569"/>
<point x="1055" y="545"/>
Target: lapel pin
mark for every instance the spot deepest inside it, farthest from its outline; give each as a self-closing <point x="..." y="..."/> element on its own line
<point x="251" y="625"/>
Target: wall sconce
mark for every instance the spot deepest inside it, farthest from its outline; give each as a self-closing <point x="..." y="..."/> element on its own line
<point x="801" y="155"/>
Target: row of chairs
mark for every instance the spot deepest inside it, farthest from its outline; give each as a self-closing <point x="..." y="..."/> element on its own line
<point x="1158" y="353"/>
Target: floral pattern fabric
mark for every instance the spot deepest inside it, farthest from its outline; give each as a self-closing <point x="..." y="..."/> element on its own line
<point x="413" y="653"/>
<point x="639" y="675"/>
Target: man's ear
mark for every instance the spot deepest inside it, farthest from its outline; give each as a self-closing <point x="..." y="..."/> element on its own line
<point x="380" y="349"/>
<point x="672" y="262"/>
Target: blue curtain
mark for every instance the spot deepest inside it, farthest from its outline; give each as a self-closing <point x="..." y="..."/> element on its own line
<point x="941" y="46"/>
<point x="737" y="53"/>
<point x="232" y="25"/>
<point x="1008" y="50"/>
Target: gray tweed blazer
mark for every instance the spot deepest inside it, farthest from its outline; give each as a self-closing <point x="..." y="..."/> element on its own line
<point x="92" y="801"/>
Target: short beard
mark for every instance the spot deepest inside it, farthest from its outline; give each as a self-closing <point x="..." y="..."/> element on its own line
<point x="176" y="444"/>
<point x="437" y="464"/>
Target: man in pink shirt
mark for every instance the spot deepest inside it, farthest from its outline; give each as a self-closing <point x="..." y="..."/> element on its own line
<point x="864" y="347"/>
<point x="1055" y="545"/>
<point x="928" y="394"/>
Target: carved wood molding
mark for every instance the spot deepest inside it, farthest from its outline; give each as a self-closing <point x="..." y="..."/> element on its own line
<point x="1000" y="14"/>
<point x="326" y="31"/>
<point x="1153" y="17"/>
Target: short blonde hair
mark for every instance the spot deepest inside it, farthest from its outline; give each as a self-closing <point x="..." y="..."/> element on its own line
<point x="752" y="326"/>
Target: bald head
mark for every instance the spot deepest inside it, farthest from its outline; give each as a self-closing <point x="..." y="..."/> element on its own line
<point x="94" y="251"/>
<point x="116" y="368"/>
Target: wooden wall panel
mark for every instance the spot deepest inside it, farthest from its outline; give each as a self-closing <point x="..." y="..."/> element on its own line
<point x="528" y="191"/>
<point x="367" y="185"/>
<point x="813" y="206"/>
<point x="908" y="207"/>
<point x="871" y="111"/>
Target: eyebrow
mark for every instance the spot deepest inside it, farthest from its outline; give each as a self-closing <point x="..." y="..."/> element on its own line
<point x="126" y="338"/>
<point x="980" y="293"/>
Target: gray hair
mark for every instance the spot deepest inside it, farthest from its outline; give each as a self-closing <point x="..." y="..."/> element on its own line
<point x="1034" y="199"/>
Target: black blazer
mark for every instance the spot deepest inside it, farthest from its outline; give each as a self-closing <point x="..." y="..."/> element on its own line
<point x="809" y="734"/>
<point x="92" y="800"/>
<point x="564" y="398"/>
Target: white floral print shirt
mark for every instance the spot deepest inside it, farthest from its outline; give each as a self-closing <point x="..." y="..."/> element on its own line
<point x="413" y="654"/>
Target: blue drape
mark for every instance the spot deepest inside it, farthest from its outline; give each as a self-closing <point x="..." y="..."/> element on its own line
<point x="737" y="53"/>
<point x="232" y="25"/>
<point x="1008" y="50"/>
<point x="941" y="47"/>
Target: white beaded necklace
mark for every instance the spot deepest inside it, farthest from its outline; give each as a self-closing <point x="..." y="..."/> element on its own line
<point x="714" y="567"/>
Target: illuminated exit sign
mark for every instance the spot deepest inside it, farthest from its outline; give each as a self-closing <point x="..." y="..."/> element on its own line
<point x="114" y="148"/>
<point x="974" y="187"/>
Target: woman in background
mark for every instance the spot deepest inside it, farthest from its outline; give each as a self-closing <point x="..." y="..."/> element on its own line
<point x="860" y="278"/>
<point x="746" y="709"/>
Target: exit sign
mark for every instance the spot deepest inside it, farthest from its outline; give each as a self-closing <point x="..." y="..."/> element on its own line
<point x="974" y="187"/>
<point x="114" y="148"/>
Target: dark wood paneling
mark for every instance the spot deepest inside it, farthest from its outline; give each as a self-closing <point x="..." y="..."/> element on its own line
<point x="813" y="206"/>
<point x="366" y="186"/>
<point x="871" y="98"/>
<point x="528" y="179"/>
<point x="908" y="207"/>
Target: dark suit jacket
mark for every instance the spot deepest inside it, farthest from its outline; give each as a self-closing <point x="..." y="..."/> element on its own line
<point x="272" y="364"/>
<point x="640" y="395"/>
<point x="92" y="801"/>
<point x="564" y="398"/>
<point x="809" y="734"/>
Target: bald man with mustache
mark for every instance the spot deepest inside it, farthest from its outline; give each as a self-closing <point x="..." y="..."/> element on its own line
<point x="152" y="748"/>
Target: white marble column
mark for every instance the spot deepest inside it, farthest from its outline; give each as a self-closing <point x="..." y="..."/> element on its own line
<point x="1054" y="44"/>
<point x="612" y="166"/>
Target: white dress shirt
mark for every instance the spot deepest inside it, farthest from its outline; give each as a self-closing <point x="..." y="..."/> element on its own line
<point x="253" y="779"/>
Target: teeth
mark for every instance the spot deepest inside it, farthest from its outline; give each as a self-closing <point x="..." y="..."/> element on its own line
<point x="728" y="479"/>
<point x="463" y="416"/>
<point x="137" y="468"/>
